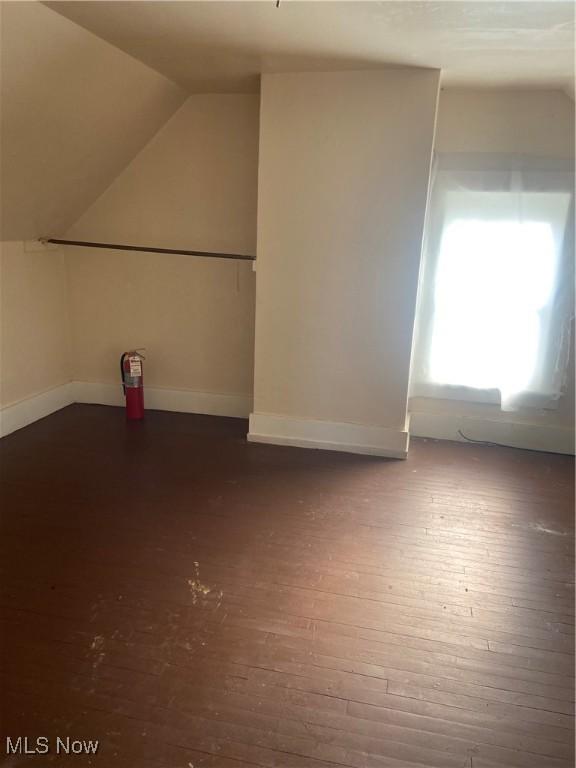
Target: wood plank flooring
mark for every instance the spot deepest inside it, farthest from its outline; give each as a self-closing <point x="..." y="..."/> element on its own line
<point x="188" y="599"/>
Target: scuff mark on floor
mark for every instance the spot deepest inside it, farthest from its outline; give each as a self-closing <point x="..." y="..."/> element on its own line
<point x="543" y="529"/>
<point x="197" y="588"/>
<point x="97" y="643"/>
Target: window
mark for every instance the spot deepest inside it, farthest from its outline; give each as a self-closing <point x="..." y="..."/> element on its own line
<point x="493" y="310"/>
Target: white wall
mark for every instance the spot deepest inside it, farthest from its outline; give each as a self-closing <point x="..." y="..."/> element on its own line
<point x="194" y="187"/>
<point x="538" y="123"/>
<point x="343" y="173"/>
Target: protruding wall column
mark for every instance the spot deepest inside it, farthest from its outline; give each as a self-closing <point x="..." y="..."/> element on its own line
<point x="344" y="164"/>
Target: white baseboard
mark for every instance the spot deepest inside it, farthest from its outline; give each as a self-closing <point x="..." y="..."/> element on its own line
<point x="303" y="433"/>
<point x="328" y="435"/>
<point x="18" y="415"/>
<point x="535" y="437"/>
<point x="157" y="398"/>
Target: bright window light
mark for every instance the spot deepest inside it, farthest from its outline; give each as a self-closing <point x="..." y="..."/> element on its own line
<point x="494" y="278"/>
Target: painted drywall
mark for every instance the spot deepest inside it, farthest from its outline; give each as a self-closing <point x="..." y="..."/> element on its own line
<point x="343" y="172"/>
<point x="213" y="46"/>
<point x="194" y="186"/>
<point x="537" y="123"/>
<point x="34" y="322"/>
<point x="75" y="111"/>
<point x="522" y="122"/>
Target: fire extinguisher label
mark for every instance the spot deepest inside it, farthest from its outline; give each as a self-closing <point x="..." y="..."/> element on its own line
<point x="135" y="366"/>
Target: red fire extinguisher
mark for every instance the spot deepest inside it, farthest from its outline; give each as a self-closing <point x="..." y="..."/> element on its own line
<point x="133" y="383"/>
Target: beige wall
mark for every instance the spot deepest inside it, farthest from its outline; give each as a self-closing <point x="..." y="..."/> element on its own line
<point x="521" y="122"/>
<point x="538" y="123"/>
<point x="194" y="317"/>
<point x="34" y="322"/>
<point x="343" y="172"/>
<point x="194" y="187"/>
<point x="75" y="111"/>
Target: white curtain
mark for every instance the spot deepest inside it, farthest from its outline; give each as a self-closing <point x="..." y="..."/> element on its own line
<point x="496" y="290"/>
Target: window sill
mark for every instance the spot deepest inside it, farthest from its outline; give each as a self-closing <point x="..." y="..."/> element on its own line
<point x="531" y="400"/>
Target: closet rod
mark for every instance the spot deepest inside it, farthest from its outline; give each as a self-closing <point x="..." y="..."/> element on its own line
<point x="117" y="247"/>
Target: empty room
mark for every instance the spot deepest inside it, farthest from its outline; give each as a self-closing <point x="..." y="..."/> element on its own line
<point x="287" y="384"/>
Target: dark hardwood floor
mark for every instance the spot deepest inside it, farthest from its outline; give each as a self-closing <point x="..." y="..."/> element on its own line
<point x="189" y="599"/>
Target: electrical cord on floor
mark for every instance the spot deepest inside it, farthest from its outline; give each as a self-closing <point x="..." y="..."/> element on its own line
<point x="498" y="445"/>
<point x="483" y="442"/>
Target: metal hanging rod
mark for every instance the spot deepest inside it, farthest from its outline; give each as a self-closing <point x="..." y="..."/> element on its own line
<point x="117" y="247"/>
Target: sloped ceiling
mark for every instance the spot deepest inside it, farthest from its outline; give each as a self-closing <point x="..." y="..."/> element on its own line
<point x="75" y="111"/>
<point x="195" y="185"/>
<point x="82" y="94"/>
